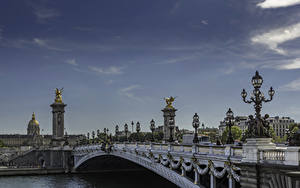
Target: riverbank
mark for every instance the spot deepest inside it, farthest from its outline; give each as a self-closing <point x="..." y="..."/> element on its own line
<point x="29" y="171"/>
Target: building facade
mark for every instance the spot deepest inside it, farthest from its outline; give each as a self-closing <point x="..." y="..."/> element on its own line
<point x="279" y="124"/>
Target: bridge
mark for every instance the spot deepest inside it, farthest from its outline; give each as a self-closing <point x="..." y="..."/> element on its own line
<point x="204" y="166"/>
<point x="173" y="162"/>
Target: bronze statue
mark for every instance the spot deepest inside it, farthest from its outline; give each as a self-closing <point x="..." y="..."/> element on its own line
<point x="58" y="95"/>
<point x="169" y="101"/>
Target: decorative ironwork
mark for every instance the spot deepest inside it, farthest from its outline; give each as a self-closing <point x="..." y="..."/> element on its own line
<point x="229" y="124"/>
<point x="258" y="126"/>
<point x="196" y="124"/>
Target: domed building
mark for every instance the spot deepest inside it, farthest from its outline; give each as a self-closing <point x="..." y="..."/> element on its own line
<point x="33" y="127"/>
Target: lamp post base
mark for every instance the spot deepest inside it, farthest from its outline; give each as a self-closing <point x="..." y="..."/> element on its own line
<point x="251" y="150"/>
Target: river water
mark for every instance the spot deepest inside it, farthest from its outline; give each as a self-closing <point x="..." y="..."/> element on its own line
<point x="133" y="179"/>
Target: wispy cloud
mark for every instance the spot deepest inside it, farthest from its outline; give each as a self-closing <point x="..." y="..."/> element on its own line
<point x="278" y="3"/>
<point x="128" y="92"/>
<point x="45" y="44"/>
<point x="204" y="22"/>
<point x="233" y="67"/>
<point x="72" y="62"/>
<point x="276" y="37"/>
<point x="178" y="59"/>
<point x="109" y="71"/>
<point x="175" y="7"/>
<point x="42" y="12"/>
<point x="83" y="28"/>
<point x="292" y="86"/>
<point x="294" y="64"/>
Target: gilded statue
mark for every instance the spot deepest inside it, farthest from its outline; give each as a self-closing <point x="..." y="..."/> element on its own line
<point x="169" y="101"/>
<point x="58" y="95"/>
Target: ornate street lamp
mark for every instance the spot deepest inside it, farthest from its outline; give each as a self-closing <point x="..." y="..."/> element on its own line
<point x="132" y="124"/>
<point x="126" y="131"/>
<point x="171" y="126"/>
<point x="196" y="124"/>
<point x="152" y="128"/>
<point x="117" y="132"/>
<point x="98" y="135"/>
<point x="138" y="129"/>
<point x="93" y="136"/>
<point x="258" y="127"/>
<point x="229" y="124"/>
<point x="88" y="137"/>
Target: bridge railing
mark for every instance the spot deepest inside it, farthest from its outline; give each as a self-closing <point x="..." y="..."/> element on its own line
<point x="233" y="151"/>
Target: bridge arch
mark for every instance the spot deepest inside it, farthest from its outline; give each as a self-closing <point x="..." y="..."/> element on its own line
<point x="147" y="163"/>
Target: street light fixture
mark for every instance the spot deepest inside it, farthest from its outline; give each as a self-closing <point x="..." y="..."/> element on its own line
<point x="117" y="132"/>
<point x="196" y="124"/>
<point x="126" y="131"/>
<point x="229" y="124"/>
<point x="138" y="128"/>
<point x="152" y="128"/>
<point x="258" y="128"/>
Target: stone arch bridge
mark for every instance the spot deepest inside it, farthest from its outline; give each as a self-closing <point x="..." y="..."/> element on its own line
<point x="183" y="165"/>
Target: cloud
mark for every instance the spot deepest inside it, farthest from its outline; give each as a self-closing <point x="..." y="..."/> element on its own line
<point x="109" y="71"/>
<point x="178" y="59"/>
<point x="205" y="22"/>
<point x="72" y="62"/>
<point x="233" y="67"/>
<point x="175" y="7"/>
<point x="276" y="37"/>
<point x="292" y="86"/>
<point x="127" y="91"/>
<point x="44" y="14"/>
<point x="83" y="28"/>
<point x="109" y="82"/>
<point x="295" y="64"/>
<point x="278" y="3"/>
<point x="45" y="44"/>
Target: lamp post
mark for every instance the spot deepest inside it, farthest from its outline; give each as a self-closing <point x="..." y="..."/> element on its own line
<point x="171" y="125"/>
<point x="126" y="131"/>
<point x="98" y="135"/>
<point x="259" y="127"/>
<point x="132" y="124"/>
<point x="117" y="132"/>
<point x="152" y="128"/>
<point x="229" y="124"/>
<point x="88" y="137"/>
<point x="93" y="136"/>
<point x="138" y="129"/>
<point x="196" y="124"/>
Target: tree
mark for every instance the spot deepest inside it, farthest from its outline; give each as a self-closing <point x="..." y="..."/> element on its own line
<point x="236" y="133"/>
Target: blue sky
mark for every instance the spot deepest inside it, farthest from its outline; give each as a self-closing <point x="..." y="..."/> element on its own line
<point x="118" y="59"/>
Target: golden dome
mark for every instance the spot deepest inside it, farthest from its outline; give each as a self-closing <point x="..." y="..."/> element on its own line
<point x="33" y="121"/>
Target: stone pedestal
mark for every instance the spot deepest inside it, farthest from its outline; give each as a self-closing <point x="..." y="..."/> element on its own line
<point x="58" y="110"/>
<point x="292" y="156"/>
<point x="168" y="113"/>
<point x="251" y="149"/>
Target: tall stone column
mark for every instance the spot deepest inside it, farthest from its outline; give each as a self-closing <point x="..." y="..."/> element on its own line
<point x="58" y="110"/>
<point x="169" y="112"/>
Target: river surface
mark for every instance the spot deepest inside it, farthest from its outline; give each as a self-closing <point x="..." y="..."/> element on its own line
<point x="136" y="179"/>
